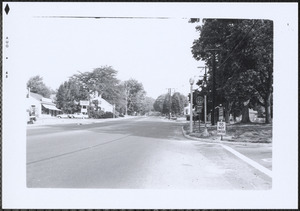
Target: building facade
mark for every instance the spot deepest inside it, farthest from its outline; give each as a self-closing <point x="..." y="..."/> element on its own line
<point x="101" y="103"/>
<point x="39" y="106"/>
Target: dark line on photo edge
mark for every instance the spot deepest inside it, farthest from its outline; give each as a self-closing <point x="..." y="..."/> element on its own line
<point x="98" y="17"/>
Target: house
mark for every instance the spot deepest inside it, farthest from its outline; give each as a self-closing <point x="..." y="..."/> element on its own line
<point x="39" y="106"/>
<point x="102" y="104"/>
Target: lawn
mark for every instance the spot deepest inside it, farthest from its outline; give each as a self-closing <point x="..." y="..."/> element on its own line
<point x="252" y="132"/>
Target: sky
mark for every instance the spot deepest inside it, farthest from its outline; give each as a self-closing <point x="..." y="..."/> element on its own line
<point x="155" y="52"/>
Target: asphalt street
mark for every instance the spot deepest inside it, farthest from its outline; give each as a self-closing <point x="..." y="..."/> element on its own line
<point x="138" y="153"/>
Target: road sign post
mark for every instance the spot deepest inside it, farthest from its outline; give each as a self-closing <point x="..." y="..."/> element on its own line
<point x="199" y="102"/>
<point x="221" y="129"/>
<point x="221" y="113"/>
<point x="199" y="108"/>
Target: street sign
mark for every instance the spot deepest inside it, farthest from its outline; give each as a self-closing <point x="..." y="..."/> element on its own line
<point x="199" y="100"/>
<point x="84" y="102"/>
<point x="221" y="128"/>
<point x="199" y="108"/>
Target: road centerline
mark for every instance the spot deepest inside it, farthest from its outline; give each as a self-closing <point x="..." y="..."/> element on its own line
<point x="78" y="150"/>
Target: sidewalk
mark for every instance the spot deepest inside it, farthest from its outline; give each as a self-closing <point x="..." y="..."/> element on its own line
<point x="57" y="121"/>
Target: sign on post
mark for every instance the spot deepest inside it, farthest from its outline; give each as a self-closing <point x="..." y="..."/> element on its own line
<point x="199" y="108"/>
<point x="199" y="100"/>
<point x="221" y="113"/>
<point x="221" y="128"/>
<point x="84" y="102"/>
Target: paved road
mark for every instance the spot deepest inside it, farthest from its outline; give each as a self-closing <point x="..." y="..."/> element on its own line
<point x="144" y="152"/>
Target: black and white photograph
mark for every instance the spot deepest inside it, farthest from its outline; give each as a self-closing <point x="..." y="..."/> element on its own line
<point x="149" y="105"/>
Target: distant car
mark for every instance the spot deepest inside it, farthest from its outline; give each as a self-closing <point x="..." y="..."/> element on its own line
<point x="64" y="116"/>
<point x="80" y="116"/>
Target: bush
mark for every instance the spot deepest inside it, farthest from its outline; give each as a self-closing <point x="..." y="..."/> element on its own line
<point x="96" y="114"/>
<point x="107" y="115"/>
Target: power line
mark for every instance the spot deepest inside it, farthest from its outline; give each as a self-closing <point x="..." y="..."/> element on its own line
<point x="238" y="43"/>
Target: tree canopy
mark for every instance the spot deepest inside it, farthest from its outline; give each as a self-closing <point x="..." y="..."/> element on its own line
<point x="128" y="94"/>
<point x="243" y="52"/>
<point x="165" y="102"/>
<point x="37" y="85"/>
<point x="135" y="95"/>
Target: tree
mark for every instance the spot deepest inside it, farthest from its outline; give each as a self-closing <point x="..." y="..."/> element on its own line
<point x="179" y="101"/>
<point x="103" y="80"/>
<point x="69" y="95"/>
<point x="147" y="105"/>
<point x="135" y="96"/>
<point x="158" y="103"/>
<point x="243" y="50"/>
<point x="166" y="109"/>
<point x="37" y="85"/>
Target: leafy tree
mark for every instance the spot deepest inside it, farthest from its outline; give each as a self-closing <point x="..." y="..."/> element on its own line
<point x="69" y="95"/>
<point x="147" y="105"/>
<point x="37" y="85"/>
<point x="179" y="101"/>
<point x="243" y="51"/>
<point x="158" y="103"/>
<point x="166" y="104"/>
<point x="135" y="95"/>
<point x="104" y="81"/>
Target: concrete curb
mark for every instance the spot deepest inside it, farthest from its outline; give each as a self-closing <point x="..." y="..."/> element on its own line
<point x="221" y="142"/>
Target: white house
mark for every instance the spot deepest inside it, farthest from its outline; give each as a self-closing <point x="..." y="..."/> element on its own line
<point x="40" y="106"/>
<point x="102" y="104"/>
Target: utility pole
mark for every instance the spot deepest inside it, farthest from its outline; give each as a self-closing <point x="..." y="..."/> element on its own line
<point x="170" y="101"/>
<point x="191" y="104"/>
<point x="213" y="89"/>
<point x="204" y="84"/>
<point x="126" y="97"/>
<point x="213" y="83"/>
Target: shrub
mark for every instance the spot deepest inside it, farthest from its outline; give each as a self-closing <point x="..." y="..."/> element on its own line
<point x="96" y="114"/>
<point x="107" y="115"/>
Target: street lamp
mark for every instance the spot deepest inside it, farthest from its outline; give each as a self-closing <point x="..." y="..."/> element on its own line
<point x="191" y="105"/>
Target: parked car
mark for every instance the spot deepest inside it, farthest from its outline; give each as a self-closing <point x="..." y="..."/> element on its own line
<point x="64" y="116"/>
<point x="80" y="116"/>
<point x="31" y="119"/>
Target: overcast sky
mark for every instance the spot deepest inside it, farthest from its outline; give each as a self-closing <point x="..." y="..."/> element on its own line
<point x="156" y="52"/>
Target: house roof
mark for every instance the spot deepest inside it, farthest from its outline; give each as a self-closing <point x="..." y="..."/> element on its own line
<point x="36" y="96"/>
<point x="103" y="101"/>
<point x="40" y="98"/>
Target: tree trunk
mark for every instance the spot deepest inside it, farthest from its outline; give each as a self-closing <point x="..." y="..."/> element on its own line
<point x="245" y="113"/>
<point x="227" y="111"/>
<point x="268" y="109"/>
